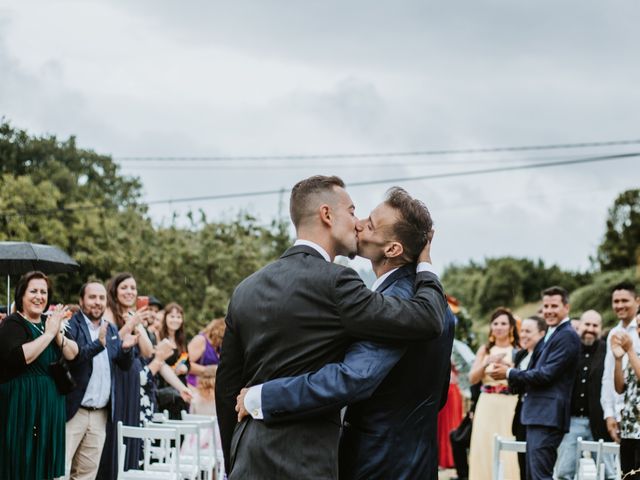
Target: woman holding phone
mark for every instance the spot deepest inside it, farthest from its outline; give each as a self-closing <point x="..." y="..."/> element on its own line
<point x="496" y="405"/>
<point x="122" y="293"/>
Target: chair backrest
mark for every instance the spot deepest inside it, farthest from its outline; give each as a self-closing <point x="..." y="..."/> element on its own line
<point x="147" y="435"/>
<point x="500" y="445"/>
<point x="600" y="448"/>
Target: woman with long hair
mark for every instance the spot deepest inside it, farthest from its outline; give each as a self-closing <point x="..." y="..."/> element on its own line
<point x="204" y="350"/>
<point x="172" y="331"/>
<point x="496" y="404"/>
<point x="122" y="292"/>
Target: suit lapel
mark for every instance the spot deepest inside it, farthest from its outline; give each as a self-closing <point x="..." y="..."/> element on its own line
<point x="82" y="325"/>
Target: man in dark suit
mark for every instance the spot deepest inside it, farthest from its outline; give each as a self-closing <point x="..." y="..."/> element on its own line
<point x="299" y="313"/>
<point x="391" y="433"/>
<point x="548" y="383"/>
<point x="88" y="405"/>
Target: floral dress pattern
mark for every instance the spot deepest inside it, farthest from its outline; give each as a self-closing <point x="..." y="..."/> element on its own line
<point x="630" y="424"/>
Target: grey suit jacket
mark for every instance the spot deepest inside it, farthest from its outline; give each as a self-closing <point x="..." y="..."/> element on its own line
<point x="292" y="317"/>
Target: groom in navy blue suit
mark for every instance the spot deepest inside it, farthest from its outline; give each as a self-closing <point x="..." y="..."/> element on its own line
<point x="548" y="383"/>
<point x="394" y="392"/>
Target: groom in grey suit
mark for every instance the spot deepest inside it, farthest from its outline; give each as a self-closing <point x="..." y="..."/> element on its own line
<point x="299" y="313"/>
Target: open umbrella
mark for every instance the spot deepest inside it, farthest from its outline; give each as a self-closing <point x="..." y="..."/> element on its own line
<point x="17" y="258"/>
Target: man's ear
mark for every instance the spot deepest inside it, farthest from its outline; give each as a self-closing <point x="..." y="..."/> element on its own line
<point x="393" y="250"/>
<point x="325" y="215"/>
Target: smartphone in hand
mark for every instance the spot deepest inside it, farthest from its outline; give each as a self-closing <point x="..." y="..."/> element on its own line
<point x="142" y="302"/>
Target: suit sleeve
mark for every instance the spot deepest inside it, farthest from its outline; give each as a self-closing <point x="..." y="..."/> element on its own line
<point x="373" y="316"/>
<point x="562" y="355"/>
<point x="335" y="385"/>
<point x="228" y="384"/>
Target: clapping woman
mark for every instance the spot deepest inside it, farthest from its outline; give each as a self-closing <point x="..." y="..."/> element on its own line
<point x="121" y="300"/>
<point x="496" y="405"/>
<point x="32" y="411"/>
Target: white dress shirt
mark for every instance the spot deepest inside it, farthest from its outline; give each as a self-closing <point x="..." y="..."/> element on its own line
<point x="99" y="387"/>
<point x="612" y="402"/>
<point x="253" y="398"/>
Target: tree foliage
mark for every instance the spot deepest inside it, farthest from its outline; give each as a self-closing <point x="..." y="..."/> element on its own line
<point x="620" y="247"/>
<point x="505" y="281"/>
<point x="55" y="193"/>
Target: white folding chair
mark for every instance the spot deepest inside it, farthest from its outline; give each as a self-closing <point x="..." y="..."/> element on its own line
<point x="189" y="464"/>
<point x="500" y="445"/>
<point x="590" y="468"/>
<point x="211" y="458"/>
<point x="148" y="435"/>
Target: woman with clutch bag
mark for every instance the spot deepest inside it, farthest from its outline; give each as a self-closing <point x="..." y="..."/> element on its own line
<point x="32" y="407"/>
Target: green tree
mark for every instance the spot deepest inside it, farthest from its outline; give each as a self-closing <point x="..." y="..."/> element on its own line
<point x="55" y="193"/>
<point x="620" y="247"/>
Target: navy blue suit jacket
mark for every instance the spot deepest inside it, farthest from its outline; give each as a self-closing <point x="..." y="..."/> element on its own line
<point x="394" y="393"/>
<point x="82" y="366"/>
<point x="548" y="382"/>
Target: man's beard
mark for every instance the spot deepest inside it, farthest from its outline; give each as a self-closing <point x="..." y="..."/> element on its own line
<point x="588" y="339"/>
<point x="91" y="317"/>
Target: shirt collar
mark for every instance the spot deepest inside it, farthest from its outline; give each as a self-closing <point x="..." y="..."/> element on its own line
<point x="380" y="280"/>
<point x="315" y="246"/>
<point x="90" y="324"/>
<point x="553" y="329"/>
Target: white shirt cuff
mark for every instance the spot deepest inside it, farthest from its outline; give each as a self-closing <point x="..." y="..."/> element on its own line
<point x="508" y="372"/>
<point x="253" y="402"/>
<point x="425" y="267"/>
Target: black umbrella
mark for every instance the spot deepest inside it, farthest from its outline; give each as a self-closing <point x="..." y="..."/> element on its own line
<point x="17" y="258"/>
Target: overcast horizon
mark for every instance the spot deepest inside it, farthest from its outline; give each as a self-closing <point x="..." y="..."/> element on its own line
<point x="273" y="78"/>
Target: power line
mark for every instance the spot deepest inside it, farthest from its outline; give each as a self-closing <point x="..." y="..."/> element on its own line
<point x="529" y="166"/>
<point x="417" y="153"/>
<point x="387" y="164"/>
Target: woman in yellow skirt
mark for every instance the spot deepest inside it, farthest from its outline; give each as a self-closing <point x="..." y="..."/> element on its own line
<point x="496" y="405"/>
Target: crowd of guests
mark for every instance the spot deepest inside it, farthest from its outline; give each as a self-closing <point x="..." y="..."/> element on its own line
<point x="520" y="363"/>
<point x="127" y="357"/>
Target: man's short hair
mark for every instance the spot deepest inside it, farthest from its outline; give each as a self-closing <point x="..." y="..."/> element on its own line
<point x="628" y="286"/>
<point x="300" y="203"/>
<point x="556" y="290"/>
<point x="84" y="286"/>
<point x="414" y="222"/>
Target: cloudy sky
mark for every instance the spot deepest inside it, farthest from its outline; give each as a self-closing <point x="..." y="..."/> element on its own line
<point x="277" y="78"/>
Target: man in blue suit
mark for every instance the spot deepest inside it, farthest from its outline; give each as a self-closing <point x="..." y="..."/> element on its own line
<point x="394" y="392"/>
<point x="548" y="383"/>
<point x="88" y="406"/>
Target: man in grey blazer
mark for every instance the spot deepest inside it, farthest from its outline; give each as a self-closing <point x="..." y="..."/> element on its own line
<point x="299" y="313"/>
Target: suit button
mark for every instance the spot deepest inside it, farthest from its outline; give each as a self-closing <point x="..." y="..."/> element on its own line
<point x="583" y="380"/>
<point x="582" y="394"/>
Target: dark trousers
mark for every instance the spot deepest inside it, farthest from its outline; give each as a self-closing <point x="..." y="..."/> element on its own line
<point x="630" y="456"/>
<point x="542" y="451"/>
<point x="460" y="440"/>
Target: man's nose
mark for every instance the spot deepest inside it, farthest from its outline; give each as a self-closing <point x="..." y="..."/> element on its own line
<point x="359" y="226"/>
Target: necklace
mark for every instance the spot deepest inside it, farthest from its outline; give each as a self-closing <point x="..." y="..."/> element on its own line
<point x="39" y="326"/>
